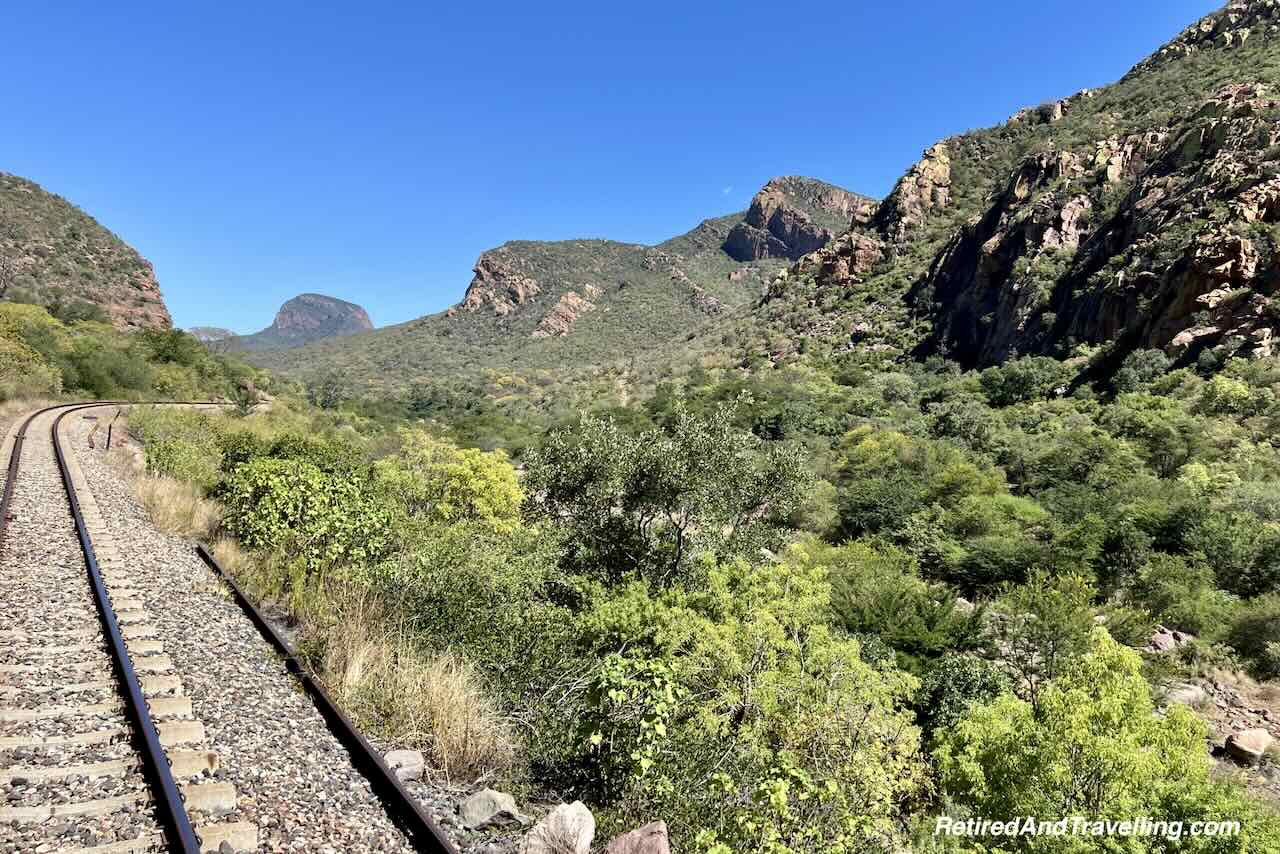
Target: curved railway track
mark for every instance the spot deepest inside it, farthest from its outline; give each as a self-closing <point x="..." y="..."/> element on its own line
<point x="93" y="721"/>
<point x="98" y="744"/>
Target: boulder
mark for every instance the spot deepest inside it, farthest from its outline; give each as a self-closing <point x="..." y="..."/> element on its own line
<point x="1187" y="694"/>
<point x="490" y="808"/>
<point x="1166" y="640"/>
<point x="650" y="839"/>
<point x="1248" y="746"/>
<point x="567" y="829"/>
<point x="407" y="764"/>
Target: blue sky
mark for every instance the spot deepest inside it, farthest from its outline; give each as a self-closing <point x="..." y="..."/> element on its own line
<point x="372" y="150"/>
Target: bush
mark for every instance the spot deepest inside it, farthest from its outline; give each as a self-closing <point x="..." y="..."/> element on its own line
<point x="1094" y="747"/>
<point x="877" y="593"/>
<point x="736" y="713"/>
<point x="954" y="684"/>
<point x="433" y="481"/>
<point x="184" y="459"/>
<point x="1255" y="634"/>
<point x="1179" y="592"/>
<point x="292" y="505"/>
<point x="651" y="502"/>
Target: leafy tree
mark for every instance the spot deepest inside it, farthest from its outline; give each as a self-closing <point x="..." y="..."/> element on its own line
<point x="1093" y="747"/>
<point x="1044" y="626"/>
<point x="435" y="481"/>
<point x="954" y="684"/>
<point x="734" y="708"/>
<point x="1021" y="380"/>
<point x="649" y="502"/>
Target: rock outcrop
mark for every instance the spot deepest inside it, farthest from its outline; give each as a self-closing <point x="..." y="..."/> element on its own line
<point x="784" y="219"/>
<point x="60" y="254"/>
<point x="560" y="319"/>
<point x="924" y="188"/>
<point x="1172" y="265"/>
<point x="307" y="318"/>
<point x="498" y="287"/>
<point x="1229" y="27"/>
<point x="210" y="334"/>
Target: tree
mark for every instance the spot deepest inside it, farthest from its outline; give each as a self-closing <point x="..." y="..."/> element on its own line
<point x="1045" y="626"/>
<point x="649" y="501"/>
<point x="435" y="481"/>
<point x="327" y="390"/>
<point x="1094" y="747"/>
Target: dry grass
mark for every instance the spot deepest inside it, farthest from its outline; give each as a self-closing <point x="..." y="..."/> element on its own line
<point x="178" y="507"/>
<point x="436" y="703"/>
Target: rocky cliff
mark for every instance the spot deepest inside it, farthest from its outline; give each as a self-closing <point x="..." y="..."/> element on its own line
<point x="307" y="318"/>
<point x="1160" y="239"/>
<point x="53" y="253"/>
<point x="793" y="216"/>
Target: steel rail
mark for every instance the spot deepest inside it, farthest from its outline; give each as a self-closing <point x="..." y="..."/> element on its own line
<point x="404" y="809"/>
<point x="155" y="764"/>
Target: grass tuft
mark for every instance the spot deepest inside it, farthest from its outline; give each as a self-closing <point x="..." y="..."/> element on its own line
<point x="178" y="507"/>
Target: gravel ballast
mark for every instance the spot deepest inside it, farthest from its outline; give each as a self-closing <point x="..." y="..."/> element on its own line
<point x="292" y="777"/>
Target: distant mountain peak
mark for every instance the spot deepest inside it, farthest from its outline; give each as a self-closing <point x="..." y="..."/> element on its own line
<point x="306" y="318"/>
<point x="792" y="216"/>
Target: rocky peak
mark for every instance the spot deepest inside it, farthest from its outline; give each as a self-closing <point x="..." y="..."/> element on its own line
<point x="1176" y="266"/>
<point x="1228" y="28"/>
<point x="792" y="216"/>
<point x="498" y="286"/>
<point x="58" y="253"/>
<point x="314" y="316"/>
<point x="925" y="187"/>
<point x="307" y="318"/>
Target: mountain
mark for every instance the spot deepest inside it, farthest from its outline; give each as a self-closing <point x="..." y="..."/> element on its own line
<point x="571" y="304"/>
<point x="1143" y="214"/>
<point x="210" y="334"/>
<point x="307" y="318"/>
<point x="1139" y="215"/>
<point x="53" y="253"/>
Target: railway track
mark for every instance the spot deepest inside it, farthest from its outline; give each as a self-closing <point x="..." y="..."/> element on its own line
<point x="99" y="749"/>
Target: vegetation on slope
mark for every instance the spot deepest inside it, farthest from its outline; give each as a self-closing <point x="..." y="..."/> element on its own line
<point x="54" y="254"/>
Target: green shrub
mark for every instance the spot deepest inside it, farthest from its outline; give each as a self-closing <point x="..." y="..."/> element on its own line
<point x="1094" y="747"/>
<point x="1179" y="591"/>
<point x="737" y="714"/>
<point x="184" y="459"/>
<point x="1255" y="634"/>
<point x="953" y="684"/>
<point x="293" y="506"/>
<point x="876" y="592"/>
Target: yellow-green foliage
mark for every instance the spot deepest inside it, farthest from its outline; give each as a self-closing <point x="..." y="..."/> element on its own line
<point x="1093" y="747"/>
<point x="438" y="482"/>
<point x="734" y="709"/>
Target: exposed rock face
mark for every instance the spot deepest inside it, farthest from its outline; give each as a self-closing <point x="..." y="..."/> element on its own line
<point x="210" y="334"/>
<point x="307" y="318"/>
<point x="925" y="187"/>
<point x="498" y="287"/>
<point x="560" y="319"/>
<point x="781" y="222"/>
<point x="841" y="265"/>
<point x="1227" y="28"/>
<point x="61" y="254"/>
<point x="1041" y="268"/>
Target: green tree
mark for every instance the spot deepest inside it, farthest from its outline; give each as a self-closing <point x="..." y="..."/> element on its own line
<point x="1043" y="627"/>
<point x="435" y="481"/>
<point x="649" y="502"/>
<point x="1094" y="747"/>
